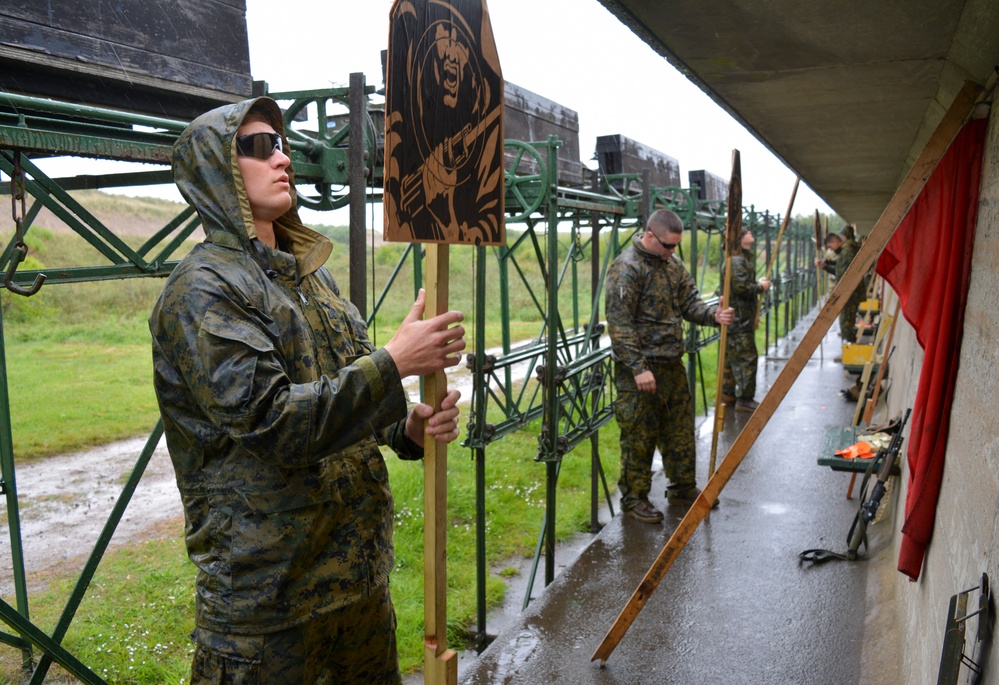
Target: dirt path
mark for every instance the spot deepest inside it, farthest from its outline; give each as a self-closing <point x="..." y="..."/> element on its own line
<point x="64" y="503"/>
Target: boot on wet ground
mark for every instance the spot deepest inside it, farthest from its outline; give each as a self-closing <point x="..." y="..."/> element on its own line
<point x="645" y="512"/>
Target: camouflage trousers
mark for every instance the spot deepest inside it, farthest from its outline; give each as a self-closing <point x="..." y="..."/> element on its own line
<point x="848" y="320"/>
<point x="353" y="646"/>
<point x="663" y="419"/>
<point x="740" y="364"/>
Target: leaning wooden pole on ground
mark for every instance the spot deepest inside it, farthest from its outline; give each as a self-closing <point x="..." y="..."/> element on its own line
<point x="733" y="226"/>
<point x="873" y="401"/>
<point x="893" y="214"/>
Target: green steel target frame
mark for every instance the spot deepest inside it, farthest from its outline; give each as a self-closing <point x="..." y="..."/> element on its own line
<point x="570" y="392"/>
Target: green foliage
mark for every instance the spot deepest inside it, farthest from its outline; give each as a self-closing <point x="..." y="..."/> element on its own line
<point x="389" y="254"/>
<point x="338" y="234"/>
<point x="133" y="624"/>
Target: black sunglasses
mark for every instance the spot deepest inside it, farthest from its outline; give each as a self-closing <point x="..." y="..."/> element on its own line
<point x="666" y="246"/>
<point x="259" y="145"/>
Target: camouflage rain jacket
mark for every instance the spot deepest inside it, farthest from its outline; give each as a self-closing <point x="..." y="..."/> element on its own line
<point x="647" y="300"/>
<point x="744" y="291"/>
<point x="274" y="402"/>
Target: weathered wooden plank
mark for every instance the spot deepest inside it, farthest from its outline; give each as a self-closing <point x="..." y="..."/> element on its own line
<point x="177" y="59"/>
<point x="617" y="154"/>
<point x="530" y="117"/>
<point x="709" y="186"/>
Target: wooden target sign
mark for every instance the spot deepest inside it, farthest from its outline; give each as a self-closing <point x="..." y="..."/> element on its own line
<point x="443" y="125"/>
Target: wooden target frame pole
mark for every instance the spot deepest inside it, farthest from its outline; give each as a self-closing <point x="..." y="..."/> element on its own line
<point x="893" y="214"/>
<point x="440" y="664"/>
<point x="873" y="401"/>
<point x="733" y="226"/>
<point x="776" y="247"/>
<point x="818" y="269"/>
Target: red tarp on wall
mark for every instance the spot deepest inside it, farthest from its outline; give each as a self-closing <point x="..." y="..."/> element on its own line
<point x="928" y="263"/>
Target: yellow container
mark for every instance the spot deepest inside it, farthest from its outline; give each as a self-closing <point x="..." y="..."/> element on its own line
<point x="856" y="355"/>
<point x="870" y="306"/>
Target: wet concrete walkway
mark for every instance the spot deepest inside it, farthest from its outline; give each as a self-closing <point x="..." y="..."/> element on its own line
<point x="736" y="606"/>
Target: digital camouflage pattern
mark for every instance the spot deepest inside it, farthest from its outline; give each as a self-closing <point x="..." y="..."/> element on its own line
<point x="274" y="402"/>
<point x="664" y="419"/>
<point x="741" y="360"/>
<point x="741" y="356"/>
<point x="363" y="653"/>
<point x="647" y="300"/>
<point x="848" y="315"/>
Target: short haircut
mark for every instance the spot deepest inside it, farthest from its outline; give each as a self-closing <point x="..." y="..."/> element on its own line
<point x="665" y="220"/>
<point x="830" y="237"/>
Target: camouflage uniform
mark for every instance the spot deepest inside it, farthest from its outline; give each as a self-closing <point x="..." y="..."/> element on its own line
<point x="274" y="403"/>
<point x="848" y="316"/>
<point x="646" y="303"/>
<point x="741" y="356"/>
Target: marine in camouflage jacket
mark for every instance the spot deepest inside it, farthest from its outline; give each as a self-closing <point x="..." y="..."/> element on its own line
<point x="274" y="402"/>
<point x="646" y="302"/>
<point x="744" y="291"/>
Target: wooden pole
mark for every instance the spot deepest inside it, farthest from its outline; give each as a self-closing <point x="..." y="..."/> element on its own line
<point x="869" y="407"/>
<point x="783" y="225"/>
<point x="893" y="214"/>
<point x="818" y="269"/>
<point x="733" y="225"/>
<point x="825" y="232"/>
<point x="865" y="376"/>
<point x="440" y="664"/>
<point x="776" y="246"/>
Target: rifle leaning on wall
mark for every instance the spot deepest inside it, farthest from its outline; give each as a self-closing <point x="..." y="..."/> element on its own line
<point x="882" y="463"/>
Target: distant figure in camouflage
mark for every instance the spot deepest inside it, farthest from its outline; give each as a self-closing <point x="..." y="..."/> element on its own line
<point x="649" y="294"/>
<point x="274" y="404"/>
<point x="846" y="248"/>
<point x="741" y="356"/>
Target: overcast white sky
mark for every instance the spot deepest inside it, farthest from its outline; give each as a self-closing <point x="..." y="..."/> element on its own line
<point x="583" y="58"/>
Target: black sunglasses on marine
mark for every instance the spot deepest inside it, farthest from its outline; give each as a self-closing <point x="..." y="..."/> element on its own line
<point x="667" y="246"/>
<point x="259" y="145"/>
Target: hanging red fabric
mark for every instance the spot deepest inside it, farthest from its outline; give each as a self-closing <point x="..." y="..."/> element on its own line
<point x="928" y="263"/>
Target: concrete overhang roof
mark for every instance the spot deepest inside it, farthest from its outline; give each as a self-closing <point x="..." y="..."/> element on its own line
<point x="845" y="92"/>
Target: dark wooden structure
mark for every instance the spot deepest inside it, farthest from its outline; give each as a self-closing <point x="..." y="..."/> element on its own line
<point x="709" y="186"/>
<point x="617" y="154"/>
<point x="531" y="117"/>
<point x="150" y="58"/>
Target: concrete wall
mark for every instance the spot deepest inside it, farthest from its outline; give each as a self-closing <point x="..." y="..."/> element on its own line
<point x="965" y="540"/>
